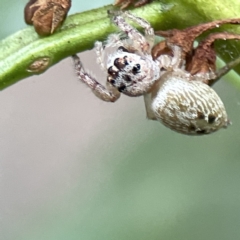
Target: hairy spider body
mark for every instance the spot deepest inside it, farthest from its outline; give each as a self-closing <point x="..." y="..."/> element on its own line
<point x="175" y="87"/>
<point x="187" y="106"/>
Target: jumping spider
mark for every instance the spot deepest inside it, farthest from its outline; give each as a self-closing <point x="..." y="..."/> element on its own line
<point x="172" y="76"/>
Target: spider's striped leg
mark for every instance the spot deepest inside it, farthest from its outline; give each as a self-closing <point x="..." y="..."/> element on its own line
<point x="139" y="42"/>
<point x="108" y="94"/>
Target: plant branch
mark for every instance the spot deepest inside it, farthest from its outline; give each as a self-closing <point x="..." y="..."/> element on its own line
<point x="80" y="31"/>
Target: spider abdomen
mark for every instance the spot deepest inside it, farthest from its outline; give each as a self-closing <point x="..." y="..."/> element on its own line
<point x="188" y="107"/>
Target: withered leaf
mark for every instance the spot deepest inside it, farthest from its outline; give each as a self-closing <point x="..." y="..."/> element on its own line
<point x="126" y="3"/>
<point x="201" y="59"/>
<point x="46" y="15"/>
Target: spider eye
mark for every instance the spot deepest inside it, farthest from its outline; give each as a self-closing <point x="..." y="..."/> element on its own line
<point x="120" y="63"/>
<point x="110" y="70"/>
<point x="136" y="68"/>
<point x="117" y="63"/>
<point x="112" y="81"/>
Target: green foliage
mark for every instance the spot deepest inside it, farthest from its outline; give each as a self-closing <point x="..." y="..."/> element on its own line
<point x="81" y="30"/>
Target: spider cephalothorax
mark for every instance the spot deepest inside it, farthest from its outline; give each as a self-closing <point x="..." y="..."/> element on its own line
<point x="127" y="71"/>
<point x="187" y="106"/>
<point x="172" y="76"/>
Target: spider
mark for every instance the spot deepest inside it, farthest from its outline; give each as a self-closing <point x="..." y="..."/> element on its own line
<point x="172" y="77"/>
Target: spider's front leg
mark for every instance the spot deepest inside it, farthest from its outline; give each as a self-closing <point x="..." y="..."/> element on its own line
<point x="113" y="40"/>
<point x="99" y="50"/>
<point x="171" y="63"/>
<point x="144" y="43"/>
<point x="108" y="94"/>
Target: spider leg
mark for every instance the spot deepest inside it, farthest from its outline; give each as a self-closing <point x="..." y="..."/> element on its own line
<point x="138" y="40"/>
<point x="148" y="30"/>
<point x="113" y="40"/>
<point x="108" y="94"/>
<point x="171" y="62"/>
<point x="177" y="56"/>
<point x="99" y="50"/>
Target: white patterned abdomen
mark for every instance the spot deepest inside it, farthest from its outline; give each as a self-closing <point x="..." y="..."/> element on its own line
<point x="189" y="107"/>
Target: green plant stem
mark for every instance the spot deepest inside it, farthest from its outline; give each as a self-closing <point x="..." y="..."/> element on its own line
<point x="80" y="31"/>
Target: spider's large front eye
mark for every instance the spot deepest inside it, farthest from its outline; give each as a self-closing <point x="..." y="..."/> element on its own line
<point x="112" y="72"/>
<point x="136" y="69"/>
<point x="120" y="63"/>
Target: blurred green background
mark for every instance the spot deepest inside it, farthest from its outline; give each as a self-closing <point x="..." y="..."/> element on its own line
<point x="73" y="167"/>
